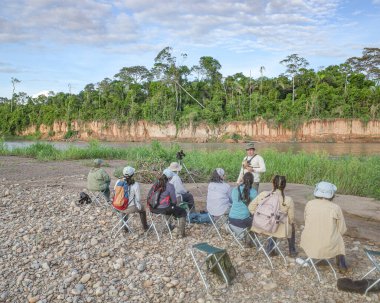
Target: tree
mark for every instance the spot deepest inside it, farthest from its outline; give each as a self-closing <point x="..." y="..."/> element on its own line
<point x="369" y="63"/>
<point x="294" y="64"/>
<point x="14" y="82"/>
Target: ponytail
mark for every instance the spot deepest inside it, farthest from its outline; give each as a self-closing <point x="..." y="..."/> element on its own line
<point x="279" y="182"/>
<point x="247" y="182"/>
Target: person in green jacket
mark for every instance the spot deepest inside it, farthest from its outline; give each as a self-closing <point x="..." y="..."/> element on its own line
<point x="99" y="180"/>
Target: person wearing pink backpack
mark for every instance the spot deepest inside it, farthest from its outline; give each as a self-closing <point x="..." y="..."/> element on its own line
<point x="285" y="228"/>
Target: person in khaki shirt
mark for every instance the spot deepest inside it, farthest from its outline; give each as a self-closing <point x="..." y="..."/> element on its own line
<point x="286" y="229"/>
<point x="322" y="237"/>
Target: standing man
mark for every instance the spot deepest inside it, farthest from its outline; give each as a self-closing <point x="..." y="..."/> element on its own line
<point x="252" y="163"/>
<point x="180" y="190"/>
<point x="99" y="180"/>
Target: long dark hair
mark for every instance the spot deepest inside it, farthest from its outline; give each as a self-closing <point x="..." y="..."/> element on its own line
<point x="215" y="177"/>
<point x="279" y="182"/>
<point x="247" y="182"/>
<point x="162" y="182"/>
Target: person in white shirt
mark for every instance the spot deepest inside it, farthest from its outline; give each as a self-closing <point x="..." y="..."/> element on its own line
<point x="134" y="196"/>
<point x="219" y="200"/>
<point x="180" y="191"/>
<point x="254" y="164"/>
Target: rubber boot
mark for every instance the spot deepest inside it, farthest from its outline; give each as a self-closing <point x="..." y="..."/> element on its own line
<point x="292" y="243"/>
<point x="143" y="220"/>
<point x="341" y="262"/>
<point x="181" y="226"/>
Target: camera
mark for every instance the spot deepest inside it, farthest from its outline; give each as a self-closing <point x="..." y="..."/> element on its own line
<point x="180" y="155"/>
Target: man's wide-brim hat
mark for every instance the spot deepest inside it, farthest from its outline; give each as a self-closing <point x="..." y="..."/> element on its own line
<point x="250" y="145"/>
<point x="98" y="162"/>
<point x="175" y="166"/>
<point x="325" y="190"/>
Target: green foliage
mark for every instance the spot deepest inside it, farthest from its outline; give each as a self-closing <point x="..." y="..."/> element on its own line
<point x="165" y="94"/>
<point x="352" y="175"/>
<point x="70" y="133"/>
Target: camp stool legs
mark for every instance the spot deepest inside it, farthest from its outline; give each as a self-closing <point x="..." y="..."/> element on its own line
<point x="240" y="234"/>
<point x="188" y="209"/>
<point x="260" y="247"/>
<point x="275" y="247"/>
<point x="164" y="220"/>
<point x="374" y="257"/>
<point x="217" y="224"/>
<point x="210" y="252"/>
<point x="313" y="265"/>
<point x="123" y="221"/>
<point x="98" y="197"/>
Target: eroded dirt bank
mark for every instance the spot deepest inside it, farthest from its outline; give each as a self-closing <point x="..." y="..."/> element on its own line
<point x="336" y="130"/>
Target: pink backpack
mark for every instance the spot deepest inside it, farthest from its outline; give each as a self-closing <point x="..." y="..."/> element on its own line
<point x="268" y="216"/>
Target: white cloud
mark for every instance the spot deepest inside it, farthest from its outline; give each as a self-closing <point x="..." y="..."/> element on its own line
<point x="130" y="22"/>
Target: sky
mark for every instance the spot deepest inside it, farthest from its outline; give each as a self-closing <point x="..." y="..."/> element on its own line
<point x="61" y="46"/>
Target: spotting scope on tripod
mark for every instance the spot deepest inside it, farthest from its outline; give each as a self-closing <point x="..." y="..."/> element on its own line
<point x="180" y="155"/>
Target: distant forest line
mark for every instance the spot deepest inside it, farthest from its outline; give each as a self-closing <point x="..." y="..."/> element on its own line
<point x="171" y="92"/>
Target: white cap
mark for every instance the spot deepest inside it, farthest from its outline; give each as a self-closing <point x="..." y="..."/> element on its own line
<point x="128" y="171"/>
<point x="220" y="172"/>
<point x="325" y="190"/>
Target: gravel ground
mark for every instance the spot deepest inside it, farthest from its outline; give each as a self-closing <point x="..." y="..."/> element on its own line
<point x="51" y="250"/>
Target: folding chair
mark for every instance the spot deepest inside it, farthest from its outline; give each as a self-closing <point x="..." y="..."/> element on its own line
<point x="374" y="257"/>
<point x="185" y="206"/>
<point x="98" y="197"/>
<point x="313" y="265"/>
<point x="217" y="223"/>
<point x="213" y="257"/>
<point x="159" y="217"/>
<point x="240" y="235"/>
<point x="124" y="220"/>
<point x="261" y="243"/>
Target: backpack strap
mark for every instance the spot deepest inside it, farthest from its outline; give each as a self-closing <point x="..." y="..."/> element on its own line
<point x="249" y="161"/>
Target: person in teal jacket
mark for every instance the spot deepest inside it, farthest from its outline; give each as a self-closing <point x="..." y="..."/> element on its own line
<point x="99" y="180"/>
<point x="242" y="195"/>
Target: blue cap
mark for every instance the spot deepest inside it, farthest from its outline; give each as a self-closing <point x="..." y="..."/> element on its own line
<point x="168" y="173"/>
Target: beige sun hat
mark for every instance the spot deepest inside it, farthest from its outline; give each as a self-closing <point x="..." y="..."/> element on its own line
<point x="175" y="166"/>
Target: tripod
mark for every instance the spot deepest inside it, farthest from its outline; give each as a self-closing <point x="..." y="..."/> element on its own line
<point x="191" y="177"/>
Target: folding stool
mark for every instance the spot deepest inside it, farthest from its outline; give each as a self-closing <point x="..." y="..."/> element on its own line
<point x="124" y="220"/>
<point x="313" y="265"/>
<point x="217" y="223"/>
<point x="260" y="245"/>
<point x="98" y="197"/>
<point x="211" y="258"/>
<point x="163" y="219"/>
<point x="374" y="257"/>
<point x="240" y="234"/>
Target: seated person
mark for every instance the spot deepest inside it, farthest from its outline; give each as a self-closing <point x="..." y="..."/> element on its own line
<point x="242" y="195"/>
<point x="168" y="201"/>
<point x="180" y="190"/>
<point x="324" y="227"/>
<point x="134" y="197"/>
<point x="99" y="180"/>
<point x="286" y="228"/>
<point x="219" y="194"/>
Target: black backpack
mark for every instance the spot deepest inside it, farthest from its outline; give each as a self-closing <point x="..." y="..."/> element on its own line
<point x="84" y="198"/>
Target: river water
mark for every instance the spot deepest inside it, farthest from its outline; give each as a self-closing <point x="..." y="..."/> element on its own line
<point x="333" y="149"/>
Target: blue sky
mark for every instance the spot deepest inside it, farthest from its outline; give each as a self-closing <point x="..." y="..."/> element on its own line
<point x="51" y="45"/>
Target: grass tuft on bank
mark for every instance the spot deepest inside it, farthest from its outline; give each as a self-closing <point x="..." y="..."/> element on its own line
<point x="353" y="175"/>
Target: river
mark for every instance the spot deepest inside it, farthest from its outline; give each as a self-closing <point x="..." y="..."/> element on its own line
<point x="333" y="149"/>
